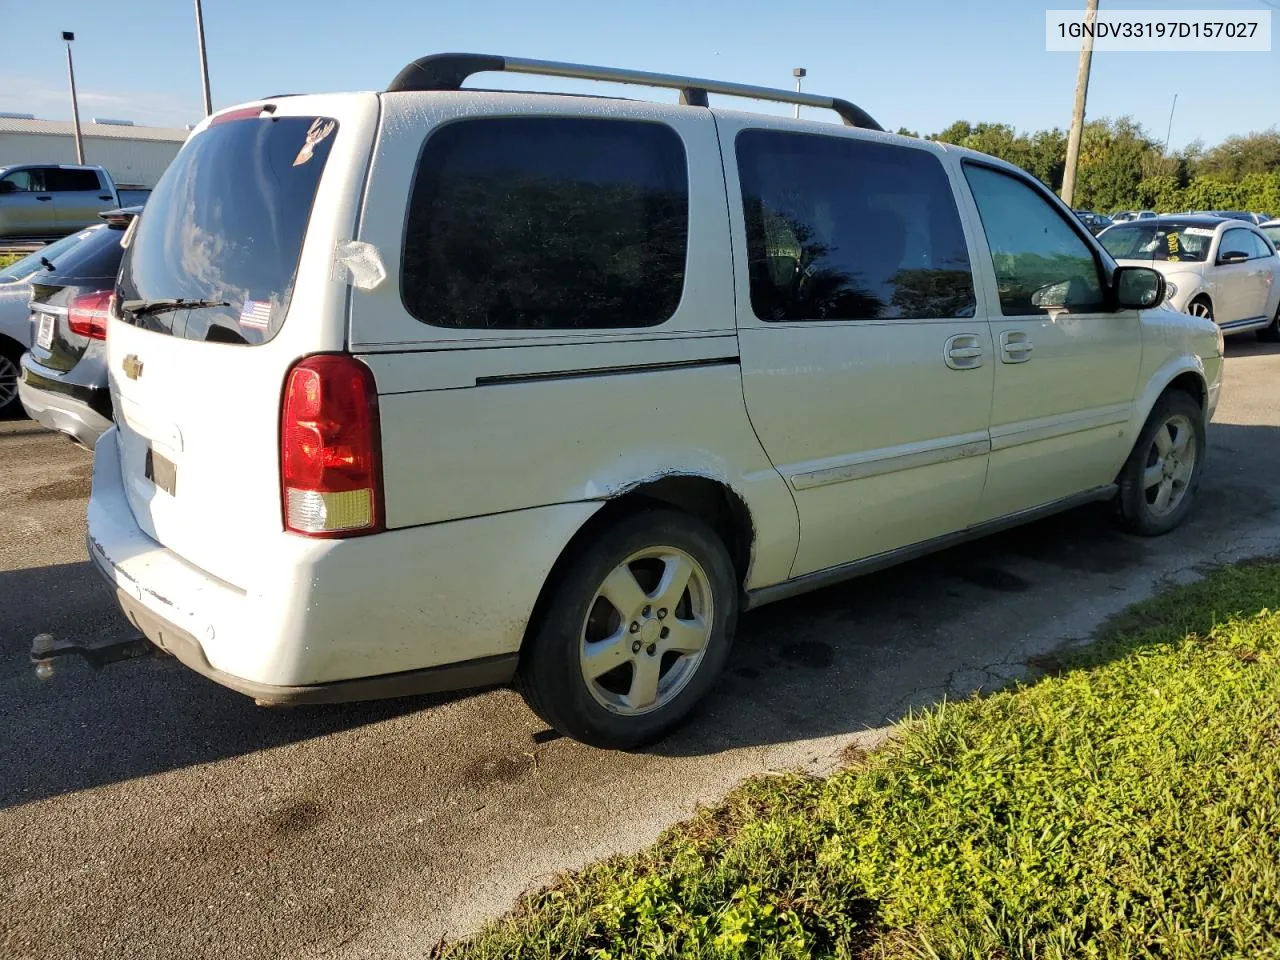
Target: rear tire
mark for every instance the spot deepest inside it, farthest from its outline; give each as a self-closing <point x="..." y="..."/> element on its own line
<point x="1159" y="480"/>
<point x="636" y="629"/>
<point x="9" y="373"/>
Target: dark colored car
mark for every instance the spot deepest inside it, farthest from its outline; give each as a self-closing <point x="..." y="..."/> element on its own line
<point x="64" y="375"/>
<point x="1096" y="222"/>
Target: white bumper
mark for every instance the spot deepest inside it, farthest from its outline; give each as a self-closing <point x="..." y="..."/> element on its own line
<point x="329" y="611"/>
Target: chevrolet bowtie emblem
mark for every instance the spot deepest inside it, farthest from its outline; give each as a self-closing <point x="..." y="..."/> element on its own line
<point x="132" y="366"/>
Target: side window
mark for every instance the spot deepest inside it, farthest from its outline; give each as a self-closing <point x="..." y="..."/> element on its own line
<point x="1040" y="262"/>
<point x="60" y="180"/>
<point x="21" y="180"/>
<point x="1260" y="246"/>
<point x="547" y="223"/>
<point x="845" y="229"/>
<point x="1236" y="241"/>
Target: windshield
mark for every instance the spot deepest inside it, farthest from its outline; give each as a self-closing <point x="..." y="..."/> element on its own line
<point x="226" y="223"/>
<point x="1164" y="240"/>
<point x="22" y="269"/>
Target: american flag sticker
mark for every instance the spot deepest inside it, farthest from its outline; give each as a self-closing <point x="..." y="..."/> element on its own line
<point x="255" y="313"/>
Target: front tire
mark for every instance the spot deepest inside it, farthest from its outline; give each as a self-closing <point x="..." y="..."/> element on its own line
<point x="9" y="374"/>
<point x="1159" y="480"/>
<point x="1201" y="307"/>
<point x="636" y="630"/>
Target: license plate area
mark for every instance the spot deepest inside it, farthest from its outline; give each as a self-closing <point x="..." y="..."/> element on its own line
<point x="44" y="330"/>
<point x="162" y="471"/>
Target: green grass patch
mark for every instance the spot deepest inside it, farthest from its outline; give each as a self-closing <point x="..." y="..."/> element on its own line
<point x="8" y="258"/>
<point x="1126" y="806"/>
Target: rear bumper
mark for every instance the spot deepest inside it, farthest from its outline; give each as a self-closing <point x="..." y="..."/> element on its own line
<point x="423" y="609"/>
<point x="485" y="672"/>
<point x="82" y="412"/>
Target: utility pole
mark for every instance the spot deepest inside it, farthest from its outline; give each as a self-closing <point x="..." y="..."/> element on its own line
<point x="1077" y="112"/>
<point x="799" y="73"/>
<point x="68" y="36"/>
<point x="204" y="59"/>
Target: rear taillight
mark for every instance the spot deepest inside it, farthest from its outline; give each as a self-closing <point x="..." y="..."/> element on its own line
<point x="88" y="314"/>
<point x="330" y="448"/>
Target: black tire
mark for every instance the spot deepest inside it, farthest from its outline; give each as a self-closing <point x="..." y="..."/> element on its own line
<point x="551" y="677"/>
<point x="1137" y="510"/>
<point x="10" y="355"/>
<point x="1271" y="334"/>
<point x="1201" y="301"/>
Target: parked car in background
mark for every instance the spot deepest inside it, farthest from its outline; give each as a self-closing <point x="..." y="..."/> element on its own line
<point x="1222" y="269"/>
<point x="1096" y="222"/>
<point x="63" y="383"/>
<point x="38" y="201"/>
<point x="521" y="268"/>
<point x="1272" y="229"/>
<point x="1125" y="216"/>
<point x="1247" y="217"/>
<point x="15" y="311"/>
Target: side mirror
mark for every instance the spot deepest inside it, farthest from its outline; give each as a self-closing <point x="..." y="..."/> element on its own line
<point x="8" y="186"/>
<point x="1235" y="256"/>
<point x="1138" y="288"/>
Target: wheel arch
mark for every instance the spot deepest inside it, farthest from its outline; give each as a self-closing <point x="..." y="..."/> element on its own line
<point x="1185" y="373"/>
<point x="710" y="499"/>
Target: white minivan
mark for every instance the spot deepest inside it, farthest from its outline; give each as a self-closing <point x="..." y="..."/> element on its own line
<point x="437" y="388"/>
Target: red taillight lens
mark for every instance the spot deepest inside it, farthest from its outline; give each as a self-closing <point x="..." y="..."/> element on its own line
<point x="88" y="314"/>
<point x="330" y="448"/>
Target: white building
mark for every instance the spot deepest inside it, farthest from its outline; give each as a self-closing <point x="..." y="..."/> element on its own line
<point x="134" y="156"/>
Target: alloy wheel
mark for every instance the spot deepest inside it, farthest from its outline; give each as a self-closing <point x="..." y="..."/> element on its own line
<point x="1170" y="465"/>
<point x="646" y="631"/>
<point x="8" y="382"/>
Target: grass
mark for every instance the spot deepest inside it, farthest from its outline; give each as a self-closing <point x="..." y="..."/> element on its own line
<point x="1126" y="806"/>
<point x="8" y="258"/>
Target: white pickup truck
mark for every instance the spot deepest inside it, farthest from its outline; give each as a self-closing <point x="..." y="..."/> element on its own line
<point x="43" y="200"/>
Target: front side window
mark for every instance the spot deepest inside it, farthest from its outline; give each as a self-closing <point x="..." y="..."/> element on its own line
<point x="542" y="223"/>
<point x="1236" y="243"/>
<point x="1260" y="246"/>
<point x="23" y="181"/>
<point x="846" y="229"/>
<point x="1040" y="262"/>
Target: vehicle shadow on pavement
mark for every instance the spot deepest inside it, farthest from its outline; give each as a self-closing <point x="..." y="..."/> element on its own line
<point x="84" y="728"/>
<point x="845" y="659"/>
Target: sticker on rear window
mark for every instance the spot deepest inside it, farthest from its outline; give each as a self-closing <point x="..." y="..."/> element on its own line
<point x="256" y="313"/>
<point x="320" y="128"/>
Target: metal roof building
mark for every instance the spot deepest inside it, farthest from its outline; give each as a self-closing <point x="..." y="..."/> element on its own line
<point x="134" y="156"/>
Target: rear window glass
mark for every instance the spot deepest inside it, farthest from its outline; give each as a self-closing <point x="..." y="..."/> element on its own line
<point x="226" y="223"/>
<point x="547" y="223"/>
<point x="97" y="257"/>
<point x="34" y="262"/>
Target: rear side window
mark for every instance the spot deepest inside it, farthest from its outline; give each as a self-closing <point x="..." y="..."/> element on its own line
<point x="845" y="229"/>
<point x="225" y="224"/>
<point x="547" y="223"/>
<point x="58" y="180"/>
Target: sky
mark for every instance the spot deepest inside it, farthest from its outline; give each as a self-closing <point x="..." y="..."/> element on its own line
<point x="919" y="64"/>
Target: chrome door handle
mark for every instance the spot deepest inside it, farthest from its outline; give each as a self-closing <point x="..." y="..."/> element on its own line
<point x="962" y="352"/>
<point x="1015" y="347"/>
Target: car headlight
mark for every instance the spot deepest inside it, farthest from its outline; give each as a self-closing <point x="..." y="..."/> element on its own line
<point x="1170" y="291"/>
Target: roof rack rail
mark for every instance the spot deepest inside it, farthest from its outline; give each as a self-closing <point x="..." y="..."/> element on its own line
<point x="448" y="71"/>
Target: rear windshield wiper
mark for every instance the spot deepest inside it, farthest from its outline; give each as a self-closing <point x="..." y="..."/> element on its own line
<point x="140" y="308"/>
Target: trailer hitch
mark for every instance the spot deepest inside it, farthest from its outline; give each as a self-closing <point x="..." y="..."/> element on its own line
<point x="46" y="649"/>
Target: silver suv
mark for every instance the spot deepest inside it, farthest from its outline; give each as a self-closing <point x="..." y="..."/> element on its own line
<point x="436" y="387"/>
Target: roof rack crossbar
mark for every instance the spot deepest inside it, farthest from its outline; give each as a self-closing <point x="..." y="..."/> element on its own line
<point x="448" y="71"/>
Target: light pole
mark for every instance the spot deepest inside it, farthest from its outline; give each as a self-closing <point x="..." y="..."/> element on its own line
<point x="1077" y="112"/>
<point x="799" y="73"/>
<point x="68" y="36"/>
<point x="204" y="60"/>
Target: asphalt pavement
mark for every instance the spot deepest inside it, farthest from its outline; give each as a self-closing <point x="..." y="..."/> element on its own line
<point x="145" y="812"/>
